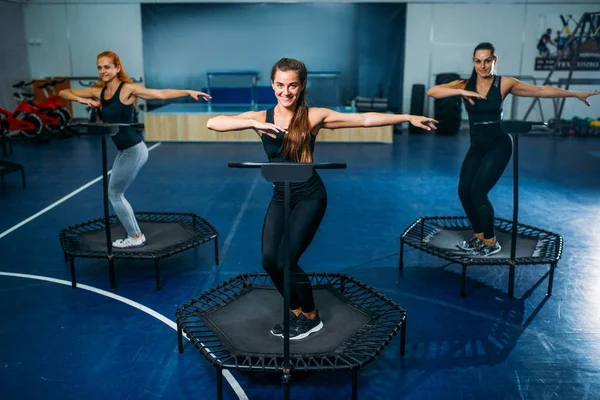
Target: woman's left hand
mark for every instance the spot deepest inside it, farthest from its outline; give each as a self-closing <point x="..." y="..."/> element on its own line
<point x="195" y="94"/>
<point x="584" y="95"/>
<point x="423" y="122"/>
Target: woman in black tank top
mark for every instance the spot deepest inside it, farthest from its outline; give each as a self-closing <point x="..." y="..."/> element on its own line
<point x="116" y="95"/>
<point x="288" y="132"/>
<point x="491" y="148"/>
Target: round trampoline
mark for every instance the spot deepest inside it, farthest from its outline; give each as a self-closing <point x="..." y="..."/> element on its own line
<point x="360" y="322"/>
<point x="167" y="233"/>
<point x="522" y="244"/>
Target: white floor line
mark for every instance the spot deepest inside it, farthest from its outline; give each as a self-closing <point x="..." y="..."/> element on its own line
<point x="226" y="374"/>
<point x="58" y="202"/>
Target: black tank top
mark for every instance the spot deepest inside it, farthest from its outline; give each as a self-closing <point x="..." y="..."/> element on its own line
<point x="272" y="148"/>
<point x="485" y="116"/>
<point x="113" y="110"/>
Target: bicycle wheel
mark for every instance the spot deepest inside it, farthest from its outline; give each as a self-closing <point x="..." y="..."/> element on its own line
<point x="33" y="119"/>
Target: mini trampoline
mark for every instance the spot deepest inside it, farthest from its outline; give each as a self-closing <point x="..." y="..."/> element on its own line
<point x="358" y="321"/>
<point x="521" y="244"/>
<point x="167" y="233"/>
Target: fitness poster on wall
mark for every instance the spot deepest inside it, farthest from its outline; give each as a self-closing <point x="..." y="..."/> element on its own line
<point x="569" y="37"/>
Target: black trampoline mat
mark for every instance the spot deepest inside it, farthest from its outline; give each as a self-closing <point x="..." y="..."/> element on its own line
<point x="159" y="235"/>
<point x="245" y="323"/>
<point x="447" y="239"/>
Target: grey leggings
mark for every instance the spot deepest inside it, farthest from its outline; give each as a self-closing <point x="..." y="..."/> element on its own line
<point x="127" y="164"/>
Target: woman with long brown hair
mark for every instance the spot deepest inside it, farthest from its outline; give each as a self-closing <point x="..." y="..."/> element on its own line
<point x="116" y="95"/>
<point x="288" y="132"/>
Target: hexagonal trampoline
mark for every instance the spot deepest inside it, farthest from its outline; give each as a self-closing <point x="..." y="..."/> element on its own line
<point x="167" y="233"/>
<point x="358" y="323"/>
<point x="438" y="236"/>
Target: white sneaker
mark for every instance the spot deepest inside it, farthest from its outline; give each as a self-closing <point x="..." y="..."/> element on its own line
<point x="130" y="242"/>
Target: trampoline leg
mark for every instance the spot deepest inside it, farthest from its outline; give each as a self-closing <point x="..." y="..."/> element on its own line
<point x="511" y="282"/>
<point x="217" y="250"/>
<point x="219" y="383"/>
<point x="463" y="281"/>
<point x="551" y="279"/>
<point x="355" y="384"/>
<point x="403" y="338"/>
<point x="286" y="388"/>
<point x="157" y="273"/>
<point x="401" y="262"/>
<point x="111" y="273"/>
<point x="23" y="177"/>
<point x="179" y="338"/>
<point x="72" y="265"/>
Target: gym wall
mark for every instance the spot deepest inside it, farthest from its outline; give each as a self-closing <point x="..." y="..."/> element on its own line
<point x="14" y="65"/>
<point x="182" y="42"/>
<point x="441" y="38"/>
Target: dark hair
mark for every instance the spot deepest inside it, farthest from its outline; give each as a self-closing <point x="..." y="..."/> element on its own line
<point x="480" y="46"/>
<point x="296" y="144"/>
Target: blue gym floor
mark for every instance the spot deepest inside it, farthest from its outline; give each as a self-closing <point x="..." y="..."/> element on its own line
<point x="93" y="343"/>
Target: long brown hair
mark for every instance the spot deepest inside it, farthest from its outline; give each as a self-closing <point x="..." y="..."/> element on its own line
<point x="296" y="144"/>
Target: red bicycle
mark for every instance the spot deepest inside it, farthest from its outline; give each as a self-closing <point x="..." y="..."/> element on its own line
<point x="23" y="120"/>
<point x="53" y="114"/>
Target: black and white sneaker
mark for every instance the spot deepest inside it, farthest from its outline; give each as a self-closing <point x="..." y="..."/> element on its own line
<point x="484" y="250"/>
<point x="277" y="330"/>
<point x="471" y="244"/>
<point x="302" y="327"/>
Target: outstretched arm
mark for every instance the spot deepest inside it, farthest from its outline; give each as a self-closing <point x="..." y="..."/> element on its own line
<point x="326" y="118"/>
<point x="88" y="96"/>
<point x="518" y="88"/>
<point x="163" y="94"/>
<point x="240" y="122"/>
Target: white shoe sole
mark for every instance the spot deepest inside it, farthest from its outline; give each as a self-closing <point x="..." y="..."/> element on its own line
<point x="305" y="334"/>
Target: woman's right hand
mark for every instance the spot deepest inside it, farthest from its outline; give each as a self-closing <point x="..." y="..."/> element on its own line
<point x="265" y="128"/>
<point x="468" y="95"/>
<point x="89" y="102"/>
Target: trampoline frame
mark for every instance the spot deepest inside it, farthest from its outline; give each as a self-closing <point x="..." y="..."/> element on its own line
<point x="103" y="129"/>
<point x="416" y="234"/>
<point x="70" y="240"/>
<point x="358" y="351"/>
<point x="514" y="128"/>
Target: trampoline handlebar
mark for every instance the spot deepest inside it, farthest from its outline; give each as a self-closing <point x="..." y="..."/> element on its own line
<point x="250" y="164"/>
<point x="518" y="126"/>
<point x="89" y="124"/>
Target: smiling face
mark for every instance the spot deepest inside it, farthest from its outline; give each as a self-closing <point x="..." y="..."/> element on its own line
<point x="107" y="70"/>
<point x="484" y="62"/>
<point x="287" y="87"/>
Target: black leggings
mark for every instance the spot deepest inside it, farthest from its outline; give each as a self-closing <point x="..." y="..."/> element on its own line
<point x="307" y="213"/>
<point x="481" y="169"/>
